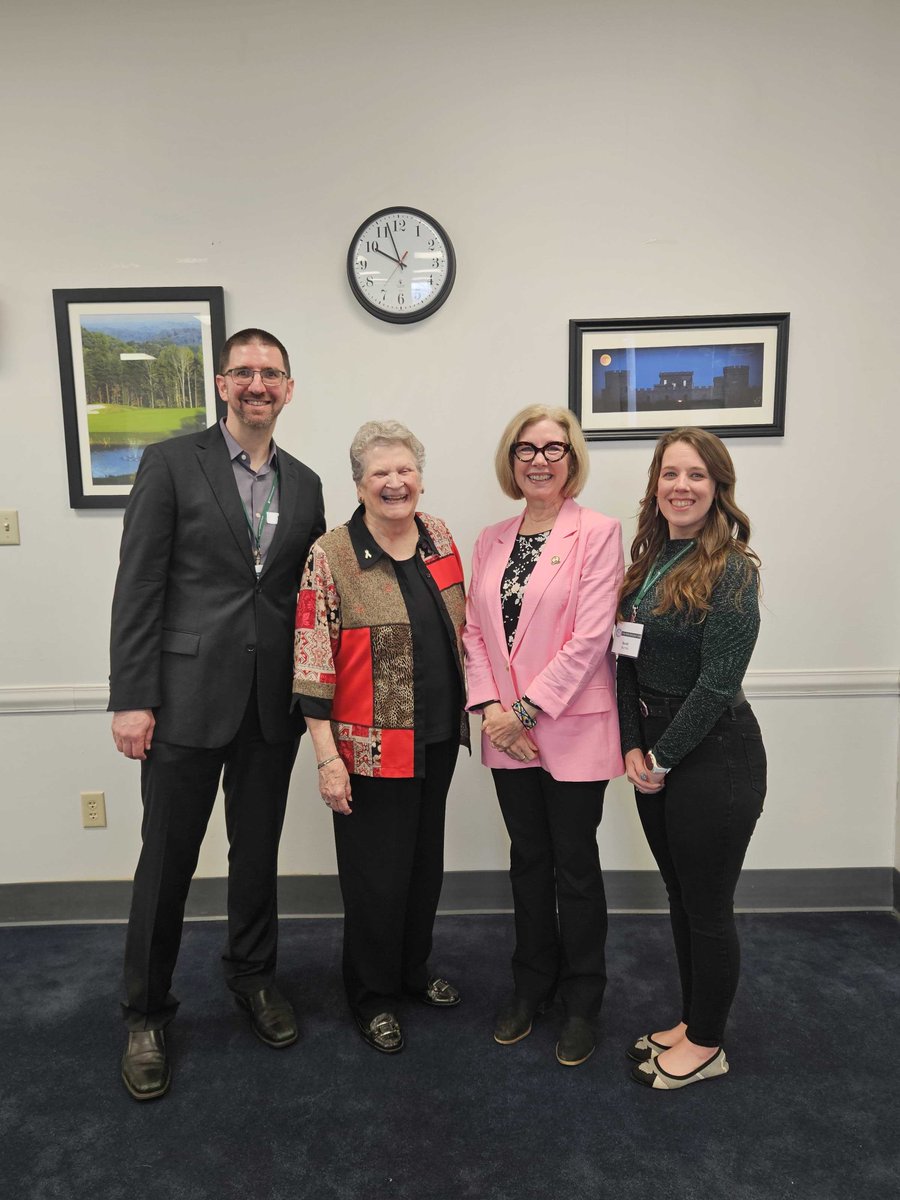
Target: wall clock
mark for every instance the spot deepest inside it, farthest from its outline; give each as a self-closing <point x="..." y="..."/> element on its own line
<point x="401" y="265"/>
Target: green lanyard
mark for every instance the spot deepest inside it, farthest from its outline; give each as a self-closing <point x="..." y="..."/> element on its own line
<point x="655" y="575"/>
<point x="257" y="535"/>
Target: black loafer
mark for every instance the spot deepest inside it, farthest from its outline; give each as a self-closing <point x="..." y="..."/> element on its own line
<point x="271" y="1016"/>
<point x="576" y="1042"/>
<point x="145" y="1065"/>
<point x="514" y="1020"/>
<point x="438" y="993"/>
<point x="382" y="1032"/>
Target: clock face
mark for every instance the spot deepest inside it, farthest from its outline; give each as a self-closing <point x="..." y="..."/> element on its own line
<point x="401" y="265"/>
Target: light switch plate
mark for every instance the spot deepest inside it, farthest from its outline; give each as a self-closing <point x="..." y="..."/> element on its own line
<point x="9" y="527"/>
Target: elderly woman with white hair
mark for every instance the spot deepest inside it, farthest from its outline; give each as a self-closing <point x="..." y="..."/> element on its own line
<point x="378" y="677"/>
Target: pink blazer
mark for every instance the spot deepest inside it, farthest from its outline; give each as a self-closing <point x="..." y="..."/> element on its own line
<point x="561" y="655"/>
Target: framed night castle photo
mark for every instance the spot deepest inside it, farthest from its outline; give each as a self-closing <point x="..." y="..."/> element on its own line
<point x="639" y="377"/>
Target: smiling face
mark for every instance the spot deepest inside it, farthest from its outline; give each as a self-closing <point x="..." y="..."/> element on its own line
<point x="254" y="406"/>
<point x="391" y="484"/>
<point x="539" y="481"/>
<point x="685" y="490"/>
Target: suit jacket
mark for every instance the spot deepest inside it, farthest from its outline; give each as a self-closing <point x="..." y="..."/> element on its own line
<point x="561" y="655"/>
<point x="191" y="623"/>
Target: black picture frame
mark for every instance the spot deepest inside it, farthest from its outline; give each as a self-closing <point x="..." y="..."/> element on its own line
<point x="611" y="362"/>
<point x="117" y="401"/>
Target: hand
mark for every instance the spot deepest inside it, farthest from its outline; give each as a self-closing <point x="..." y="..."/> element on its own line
<point x="334" y="787"/>
<point x="132" y="731"/>
<point x="397" y="257"/>
<point x="502" y="726"/>
<point x="639" y="775"/>
<point x="523" y="748"/>
<point x="398" y="261"/>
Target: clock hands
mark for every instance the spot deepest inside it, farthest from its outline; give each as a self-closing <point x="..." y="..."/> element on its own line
<point x="398" y="261"/>
<point x="394" y="244"/>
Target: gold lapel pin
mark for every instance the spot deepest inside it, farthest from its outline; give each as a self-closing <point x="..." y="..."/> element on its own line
<point x="555" y="560"/>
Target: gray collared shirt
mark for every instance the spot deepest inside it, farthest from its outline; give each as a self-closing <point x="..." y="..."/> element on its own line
<point x="254" y="487"/>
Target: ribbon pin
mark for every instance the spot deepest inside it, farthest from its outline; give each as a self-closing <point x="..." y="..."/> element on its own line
<point x="367" y="554"/>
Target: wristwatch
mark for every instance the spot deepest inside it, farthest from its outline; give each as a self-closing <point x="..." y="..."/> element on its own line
<point x="655" y="768"/>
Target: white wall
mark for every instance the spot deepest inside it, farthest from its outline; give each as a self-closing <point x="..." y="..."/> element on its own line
<point x="588" y="159"/>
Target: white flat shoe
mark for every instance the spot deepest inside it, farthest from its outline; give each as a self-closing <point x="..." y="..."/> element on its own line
<point x="644" y="1049"/>
<point x="651" y="1074"/>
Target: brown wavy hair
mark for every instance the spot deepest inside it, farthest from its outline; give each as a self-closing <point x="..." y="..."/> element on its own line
<point x="687" y="587"/>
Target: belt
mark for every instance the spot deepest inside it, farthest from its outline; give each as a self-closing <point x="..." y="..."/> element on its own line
<point x="668" y="706"/>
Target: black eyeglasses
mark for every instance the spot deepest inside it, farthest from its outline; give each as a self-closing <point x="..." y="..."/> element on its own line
<point x="269" y="375"/>
<point x="552" y="452"/>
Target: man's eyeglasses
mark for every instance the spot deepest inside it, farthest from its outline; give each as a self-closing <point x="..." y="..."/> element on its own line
<point x="270" y="376"/>
<point x="552" y="452"/>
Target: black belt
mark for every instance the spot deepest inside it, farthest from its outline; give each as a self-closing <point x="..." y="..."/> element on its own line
<point x="668" y="706"/>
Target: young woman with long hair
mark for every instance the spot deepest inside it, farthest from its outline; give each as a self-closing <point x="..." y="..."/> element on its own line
<point x="689" y="617"/>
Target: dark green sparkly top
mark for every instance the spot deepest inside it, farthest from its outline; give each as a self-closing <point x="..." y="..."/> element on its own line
<point x="703" y="661"/>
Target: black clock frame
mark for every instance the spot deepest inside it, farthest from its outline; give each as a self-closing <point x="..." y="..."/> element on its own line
<point x="405" y="318"/>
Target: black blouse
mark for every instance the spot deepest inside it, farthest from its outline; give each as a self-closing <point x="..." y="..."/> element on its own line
<point x="436" y="676"/>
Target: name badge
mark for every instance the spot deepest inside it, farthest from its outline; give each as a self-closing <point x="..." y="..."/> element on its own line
<point x="626" y="639"/>
<point x="271" y="518"/>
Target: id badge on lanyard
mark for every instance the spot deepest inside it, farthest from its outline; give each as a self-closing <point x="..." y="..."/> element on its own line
<point x="627" y="635"/>
<point x="626" y="640"/>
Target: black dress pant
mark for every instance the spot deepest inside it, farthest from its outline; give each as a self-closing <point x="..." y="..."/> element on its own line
<point x="390" y="856"/>
<point x="558" y="893"/>
<point x="178" y="788"/>
<point x="698" y="828"/>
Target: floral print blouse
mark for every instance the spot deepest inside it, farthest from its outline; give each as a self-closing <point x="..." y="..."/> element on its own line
<point x="522" y="561"/>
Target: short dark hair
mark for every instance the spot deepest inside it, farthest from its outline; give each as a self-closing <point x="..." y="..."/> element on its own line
<point x="243" y="338"/>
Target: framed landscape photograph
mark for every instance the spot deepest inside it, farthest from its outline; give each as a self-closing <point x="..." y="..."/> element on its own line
<point x="136" y="366"/>
<point x="639" y="377"/>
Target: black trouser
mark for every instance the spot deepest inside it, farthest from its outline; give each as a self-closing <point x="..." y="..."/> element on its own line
<point x="699" y="827"/>
<point x="390" y="856"/>
<point x="558" y="894"/>
<point x="178" y="787"/>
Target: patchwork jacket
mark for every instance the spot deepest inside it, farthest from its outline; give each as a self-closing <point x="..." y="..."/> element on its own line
<point x="353" y="650"/>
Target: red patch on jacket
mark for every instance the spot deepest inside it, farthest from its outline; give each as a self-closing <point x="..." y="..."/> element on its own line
<point x="445" y="571"/>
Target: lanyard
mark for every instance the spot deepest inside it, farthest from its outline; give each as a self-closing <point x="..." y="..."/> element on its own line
<point x="257" y="535"/>
<point x="654" y="575"/>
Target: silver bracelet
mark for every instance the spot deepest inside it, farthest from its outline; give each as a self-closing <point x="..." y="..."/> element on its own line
<point x="326" y="761"/>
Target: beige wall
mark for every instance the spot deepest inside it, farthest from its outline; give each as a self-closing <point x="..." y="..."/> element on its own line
<point x="588" y="160"/>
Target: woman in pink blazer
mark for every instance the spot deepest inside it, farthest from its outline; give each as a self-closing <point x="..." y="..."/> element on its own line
<point x="539" y="620"/>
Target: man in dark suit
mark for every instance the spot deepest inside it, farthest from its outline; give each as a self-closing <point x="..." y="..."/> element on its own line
<point x="216" y="534"/>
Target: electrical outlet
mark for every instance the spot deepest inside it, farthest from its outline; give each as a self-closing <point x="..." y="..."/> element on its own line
<point x="93" y="810"/>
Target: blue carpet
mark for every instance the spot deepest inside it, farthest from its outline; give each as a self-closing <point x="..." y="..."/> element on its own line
<point x="809" y="1111"/>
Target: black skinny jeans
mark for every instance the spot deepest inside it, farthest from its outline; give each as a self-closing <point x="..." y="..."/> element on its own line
<point x="698" y="828"/>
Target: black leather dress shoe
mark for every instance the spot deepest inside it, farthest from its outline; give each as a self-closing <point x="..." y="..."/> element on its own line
<point x="382" y="1032"/>
<point x="514" y="1020"/>
<point x="271" y="1016"/>
<point x="145" y="1067"/>
<point x="576" y="1042"/>
<point x="438" y="993"/>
